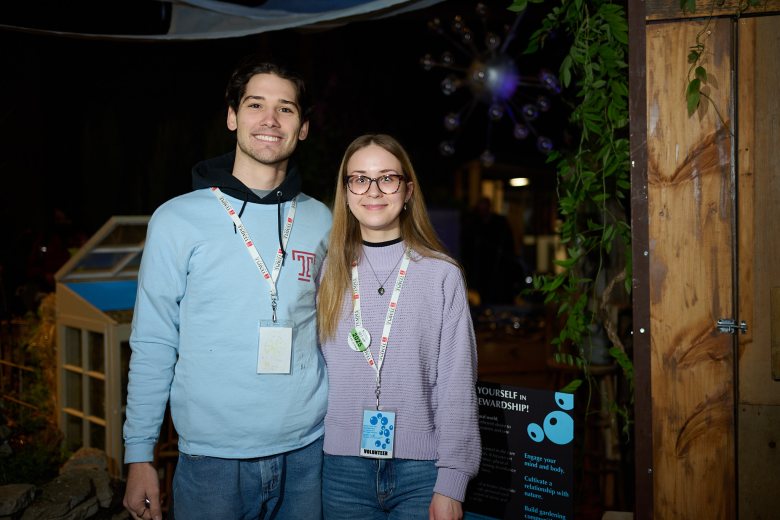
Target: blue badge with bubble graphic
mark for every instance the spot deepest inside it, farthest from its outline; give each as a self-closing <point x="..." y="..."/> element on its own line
<point x="378" y="435"/>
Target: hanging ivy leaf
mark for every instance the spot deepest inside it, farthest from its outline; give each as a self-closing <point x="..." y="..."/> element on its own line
<point x="688" y="5"/>
<point x="518" y="6"/>
<point x="572" y="386"/>
<point x="693" y="95"/>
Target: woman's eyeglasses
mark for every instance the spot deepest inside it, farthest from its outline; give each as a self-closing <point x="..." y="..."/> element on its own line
<point x="387" y="184"/>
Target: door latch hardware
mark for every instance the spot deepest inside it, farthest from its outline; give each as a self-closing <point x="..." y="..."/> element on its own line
<point x="729" y="326"/>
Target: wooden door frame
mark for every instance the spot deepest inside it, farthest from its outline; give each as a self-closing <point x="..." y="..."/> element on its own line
<point x="685" y="368"/>
<point x="643" y="414"/>
<point x="640" y="13"/>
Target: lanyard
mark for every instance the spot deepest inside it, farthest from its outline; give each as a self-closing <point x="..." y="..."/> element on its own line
<point x="399" y="283"/>
<point x="252" y="250"/>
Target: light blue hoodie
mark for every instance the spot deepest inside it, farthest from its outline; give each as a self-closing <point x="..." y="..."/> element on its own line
<point x="196" y="325"/>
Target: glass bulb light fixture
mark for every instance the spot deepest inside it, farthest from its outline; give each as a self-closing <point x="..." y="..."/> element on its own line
<point x="480" y="68"/>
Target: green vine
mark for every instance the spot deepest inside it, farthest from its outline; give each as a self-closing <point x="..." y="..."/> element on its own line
<point x="697" y="73"/>
<point x="593" y="178"/>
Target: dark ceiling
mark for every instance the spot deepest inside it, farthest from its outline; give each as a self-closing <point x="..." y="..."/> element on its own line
<point x="90" y="16"/>
<point x="98" y="128"/>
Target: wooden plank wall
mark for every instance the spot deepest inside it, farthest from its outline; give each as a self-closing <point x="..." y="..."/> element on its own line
<point x="670" y="9"/>
<point x="690" y="213"/>
<point x="759" y="192"/>
<point x="759" y="270"/>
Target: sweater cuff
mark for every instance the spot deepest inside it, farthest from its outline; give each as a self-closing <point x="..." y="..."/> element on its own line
<point x="451" y="483"/>
<point x="139" y="453"/>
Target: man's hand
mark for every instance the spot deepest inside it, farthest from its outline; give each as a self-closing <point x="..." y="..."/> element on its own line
<point x="444" y="508"/>
<point x="142" y="494"/>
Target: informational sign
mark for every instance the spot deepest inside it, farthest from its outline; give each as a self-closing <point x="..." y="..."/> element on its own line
<point x="527" y="455"/>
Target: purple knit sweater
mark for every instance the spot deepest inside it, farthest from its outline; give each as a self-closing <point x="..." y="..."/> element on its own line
<point x="429" y="372"/>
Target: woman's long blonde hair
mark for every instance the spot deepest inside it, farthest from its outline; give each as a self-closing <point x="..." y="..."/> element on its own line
<point x="346" y="242"/>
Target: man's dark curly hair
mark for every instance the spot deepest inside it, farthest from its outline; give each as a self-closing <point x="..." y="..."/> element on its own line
<point x="253" y="65"/>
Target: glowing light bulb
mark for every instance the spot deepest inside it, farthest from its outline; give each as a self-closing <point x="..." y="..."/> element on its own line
<point x="520" y="131"/>
<point x="496" y="111"/>
<point x="449" y="85"/>
<point x="502" y="77"/>
<point x="530" y="112"/>
<point x="492" y="41"/>
<point x="544" y="144"/>
<point x="446" y="148"/>
<point x="457" y="24"/>
<point x="550" y="82"/>
<point x="451" y="121"/>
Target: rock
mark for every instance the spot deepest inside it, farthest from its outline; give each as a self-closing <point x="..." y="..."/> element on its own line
<point x="101" y="483"/>
<point x="43" y="511"/>
<point x="60" y="496"/>
<point x="86" y="457"/>
<point x="79" y="492"/>
<point x="15" y="497"/>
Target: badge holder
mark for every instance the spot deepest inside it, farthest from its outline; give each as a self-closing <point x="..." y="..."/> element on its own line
<point x="377" y="438"/>
<point x="274" y="350"/>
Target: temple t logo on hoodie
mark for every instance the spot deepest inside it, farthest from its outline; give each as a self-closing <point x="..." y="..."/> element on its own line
<point x="307" y="261"/>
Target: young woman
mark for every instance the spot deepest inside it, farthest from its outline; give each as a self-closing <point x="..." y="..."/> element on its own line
<point x="401" y="433"/>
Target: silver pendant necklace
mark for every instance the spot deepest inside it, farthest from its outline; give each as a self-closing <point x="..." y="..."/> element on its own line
<point x="381" y="289"/>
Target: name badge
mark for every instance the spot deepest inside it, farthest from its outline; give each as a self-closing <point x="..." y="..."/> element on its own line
<point x="377" y="438"/>
<point x="274" y="351"/>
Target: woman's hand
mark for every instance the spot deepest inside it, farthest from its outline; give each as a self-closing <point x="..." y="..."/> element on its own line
<point x="444" y="508"/>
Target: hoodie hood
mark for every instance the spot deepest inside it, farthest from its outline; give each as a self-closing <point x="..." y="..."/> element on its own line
<point x="219" y="172"/>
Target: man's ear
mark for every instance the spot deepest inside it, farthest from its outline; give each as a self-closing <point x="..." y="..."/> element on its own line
<point x="304" y="131"/>
<point x="231" y="119"/>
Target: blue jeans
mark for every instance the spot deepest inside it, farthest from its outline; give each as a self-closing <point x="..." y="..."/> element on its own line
<point x="287" y="486"/>
<point x="368" y="489"/>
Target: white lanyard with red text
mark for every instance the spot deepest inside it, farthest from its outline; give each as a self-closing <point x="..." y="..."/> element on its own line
<point x="359" y="339"/>
<point x="252" y="250"/>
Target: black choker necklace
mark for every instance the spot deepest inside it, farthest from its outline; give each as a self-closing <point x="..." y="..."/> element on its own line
<point x="381" y="289"/>
<point x="382" y="244"/>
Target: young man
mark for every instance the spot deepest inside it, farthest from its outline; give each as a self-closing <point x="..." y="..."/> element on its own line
<point x="224" y="324"/>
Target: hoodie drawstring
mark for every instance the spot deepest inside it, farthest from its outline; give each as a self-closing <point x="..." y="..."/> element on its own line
<point x="278" y="219"/>
<point x="279" y="223"/>
<point x="241" y="212"/>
